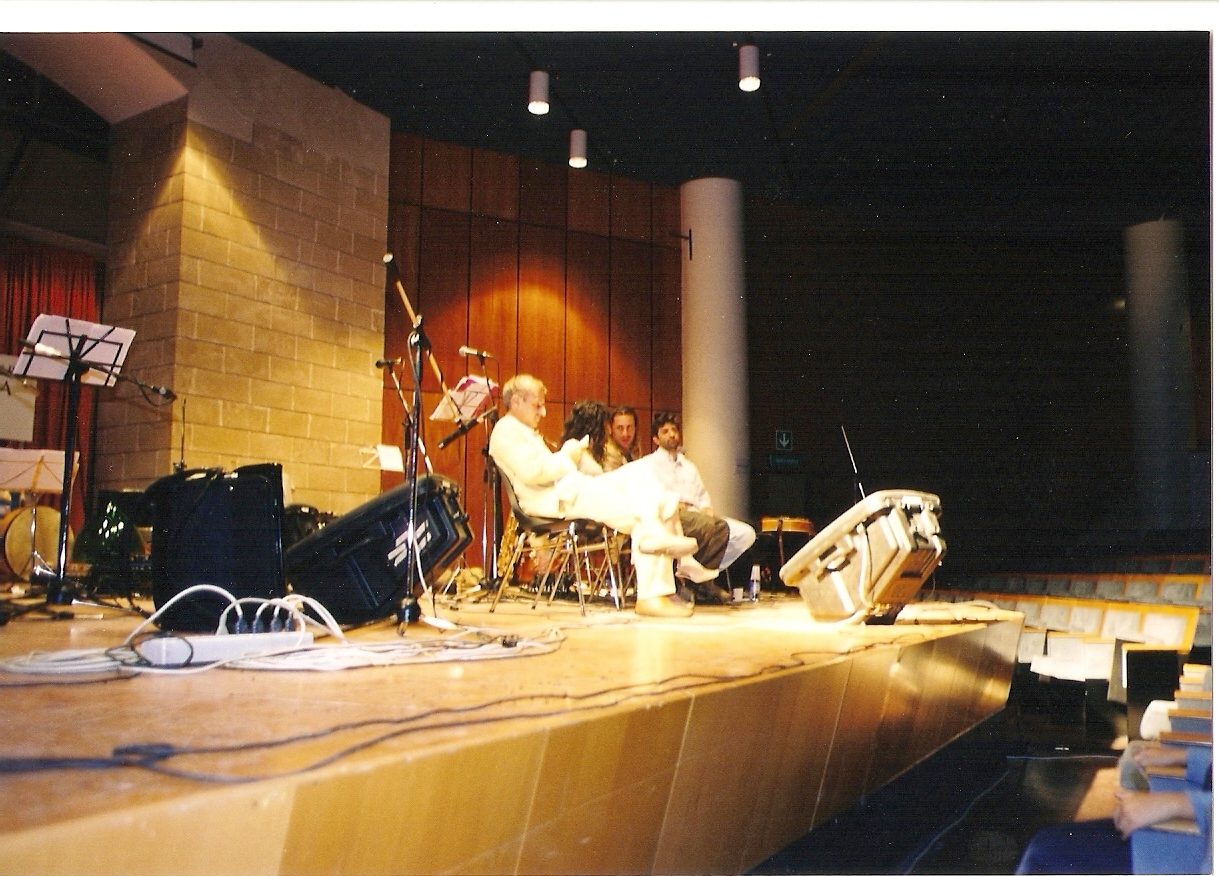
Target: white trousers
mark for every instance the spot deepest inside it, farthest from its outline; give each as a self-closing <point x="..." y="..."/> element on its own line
<point x="626" y="499"/>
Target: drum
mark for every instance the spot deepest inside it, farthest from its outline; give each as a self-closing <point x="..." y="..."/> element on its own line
<point x="779" y="539"/>
<point x="301" y="521"/>
<point x="26" y="531"/>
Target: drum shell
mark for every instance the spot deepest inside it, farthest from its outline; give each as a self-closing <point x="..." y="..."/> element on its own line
<point x="17" y="544"/>
<point x="779" y="539"/>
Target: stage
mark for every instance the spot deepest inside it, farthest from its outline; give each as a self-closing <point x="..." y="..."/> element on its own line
<point x="633" y="746"/>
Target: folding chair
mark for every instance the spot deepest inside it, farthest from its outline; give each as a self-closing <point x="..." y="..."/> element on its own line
<point x="569" y="542"/>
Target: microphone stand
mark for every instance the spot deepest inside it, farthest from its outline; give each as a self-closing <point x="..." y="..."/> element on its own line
<point x="410" y="611"/>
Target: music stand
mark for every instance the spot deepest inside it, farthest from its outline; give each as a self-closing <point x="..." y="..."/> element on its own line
<point x="76" y="352"/>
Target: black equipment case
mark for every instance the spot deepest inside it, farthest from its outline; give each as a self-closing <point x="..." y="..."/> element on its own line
<point x="213" y="527"/>
<point x="356" y="565"/>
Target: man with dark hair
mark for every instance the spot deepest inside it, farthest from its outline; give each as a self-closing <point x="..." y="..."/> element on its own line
<point x="721" y="539"/>
<point x="620" y="446"/>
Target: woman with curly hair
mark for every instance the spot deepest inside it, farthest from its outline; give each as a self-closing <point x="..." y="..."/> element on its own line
<point x="589" y="418"/>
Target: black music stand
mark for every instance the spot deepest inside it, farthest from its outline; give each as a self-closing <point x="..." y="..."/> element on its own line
<point x="76" y="352"/>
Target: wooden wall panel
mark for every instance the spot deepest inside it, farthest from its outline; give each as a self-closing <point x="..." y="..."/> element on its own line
<point x="446" y="175"/>
<point x="588" y="201"/>
<point x="630" y="334"/>
<point x="543" y="194"/>
<point x="666" y="329"/>
<point x="405" y="168"/>
<point x="587" y="356"/>
<point x="443" y="305"/>
<point x="496" y="184"/>
<point x="631" y="209"/>
<point x="403" y="244"/>
<point x="541" y="312"/>
<point x="494" y="255"/>
<point x="666" y="217"/>
<point x="490" y="261"/>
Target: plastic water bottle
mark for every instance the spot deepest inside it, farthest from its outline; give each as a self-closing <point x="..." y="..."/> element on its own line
<point x="755" y="578"/>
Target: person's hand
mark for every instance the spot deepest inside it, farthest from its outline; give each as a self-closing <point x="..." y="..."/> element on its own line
<point x="574" y="449"/>
<point x="1160" y="755"/>
<point x="1136" y="809"/>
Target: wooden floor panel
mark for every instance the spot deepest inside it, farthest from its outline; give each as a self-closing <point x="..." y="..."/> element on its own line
<point x="699" y="745"/>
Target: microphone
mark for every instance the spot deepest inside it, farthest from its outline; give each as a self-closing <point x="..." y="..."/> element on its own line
<point x="470" y="351"/>
<point x="388" y="363"/>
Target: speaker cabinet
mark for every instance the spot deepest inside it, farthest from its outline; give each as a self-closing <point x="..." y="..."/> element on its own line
<point x="220" y="528"/>
<point x="356" y="565"/>
<point x="870" y="561"/>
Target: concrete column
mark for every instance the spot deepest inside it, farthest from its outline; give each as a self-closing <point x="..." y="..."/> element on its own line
<point x="1162" y="395"/>
<point x="715" y="383"/>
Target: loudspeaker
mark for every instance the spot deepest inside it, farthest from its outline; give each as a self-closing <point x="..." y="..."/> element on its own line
<point x="213" y="527"/>
<point x="356" y="565"/>
<point x="870" y="561"/>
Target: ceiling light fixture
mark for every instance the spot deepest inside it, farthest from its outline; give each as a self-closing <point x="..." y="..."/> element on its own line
<point x="578" y="156"/>
<point x="539" y="92"/>
<point x="749" y="80"/>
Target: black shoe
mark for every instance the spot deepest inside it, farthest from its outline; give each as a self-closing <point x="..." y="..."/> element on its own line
<point x="708" y="593"/>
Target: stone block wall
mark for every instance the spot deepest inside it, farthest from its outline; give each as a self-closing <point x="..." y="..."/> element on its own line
<point x="247" y="255"/>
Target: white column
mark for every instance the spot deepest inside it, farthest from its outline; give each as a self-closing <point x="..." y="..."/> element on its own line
<point x="1162" y="394"/>
<point x="715" y="372"/>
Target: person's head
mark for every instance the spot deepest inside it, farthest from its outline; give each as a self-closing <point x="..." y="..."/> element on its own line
<point x="589" y="418"/>
<point x="525" y="398"/>
<point x="666" y="431"/>
<point x="623" y="427"/>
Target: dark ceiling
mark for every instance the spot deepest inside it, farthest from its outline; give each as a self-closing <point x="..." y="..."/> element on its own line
<point x="942" y="132"/>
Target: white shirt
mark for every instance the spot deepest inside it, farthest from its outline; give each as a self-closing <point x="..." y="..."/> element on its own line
<point x="680" y="476"/>
<point x="541" y="478"/>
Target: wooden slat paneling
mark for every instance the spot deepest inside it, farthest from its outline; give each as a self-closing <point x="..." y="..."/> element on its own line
<point x="541" y="308"/>
<point x="588" y="201"/>
<point x="587" y="357"/>
<point x="496" y="188"/>
<point x="405" y="168"/>
<point x="666" y="217"/>
<point x="630" y="209"/>
<point x="446" y="176"/>
<point x="543" y="194"/>
<point x="666" y="329"/>
<point x="630" y="334"/>
<point x="444" y="307"/>
<point x="494" y="257"/>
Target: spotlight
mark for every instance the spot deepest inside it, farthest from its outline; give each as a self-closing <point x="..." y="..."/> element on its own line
<point x="539" y="92"/>
<point x="749" y="80"/>
<point x="578" y="156"/>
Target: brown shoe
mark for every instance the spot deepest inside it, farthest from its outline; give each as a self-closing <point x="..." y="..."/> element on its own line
<point x="664" y="606"/>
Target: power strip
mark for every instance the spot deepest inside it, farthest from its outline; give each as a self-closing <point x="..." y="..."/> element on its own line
<point x="192" y="650"/>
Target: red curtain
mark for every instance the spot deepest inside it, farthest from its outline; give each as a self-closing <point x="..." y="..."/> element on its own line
<point x="36" y="278"/>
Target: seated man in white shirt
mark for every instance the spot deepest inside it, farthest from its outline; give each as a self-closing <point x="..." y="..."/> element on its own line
<point x="548" y="484"/>
<point x="678" y="474"/>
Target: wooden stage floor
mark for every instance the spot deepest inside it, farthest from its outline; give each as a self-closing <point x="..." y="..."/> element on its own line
<point x="635" y="746"/>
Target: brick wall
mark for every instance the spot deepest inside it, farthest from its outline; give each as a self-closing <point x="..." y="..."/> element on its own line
<point x="248" y="260"/>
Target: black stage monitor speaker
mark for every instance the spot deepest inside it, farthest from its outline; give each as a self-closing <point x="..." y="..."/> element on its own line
<point x="213" y="527"/>
<point x="356" y="565"/>
<point x="872" y="560"/>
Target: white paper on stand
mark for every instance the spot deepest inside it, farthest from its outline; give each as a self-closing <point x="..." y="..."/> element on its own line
<point x="469" y="395"/>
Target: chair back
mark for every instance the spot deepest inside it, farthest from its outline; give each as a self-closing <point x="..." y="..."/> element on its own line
<point x="526" y="521"/>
